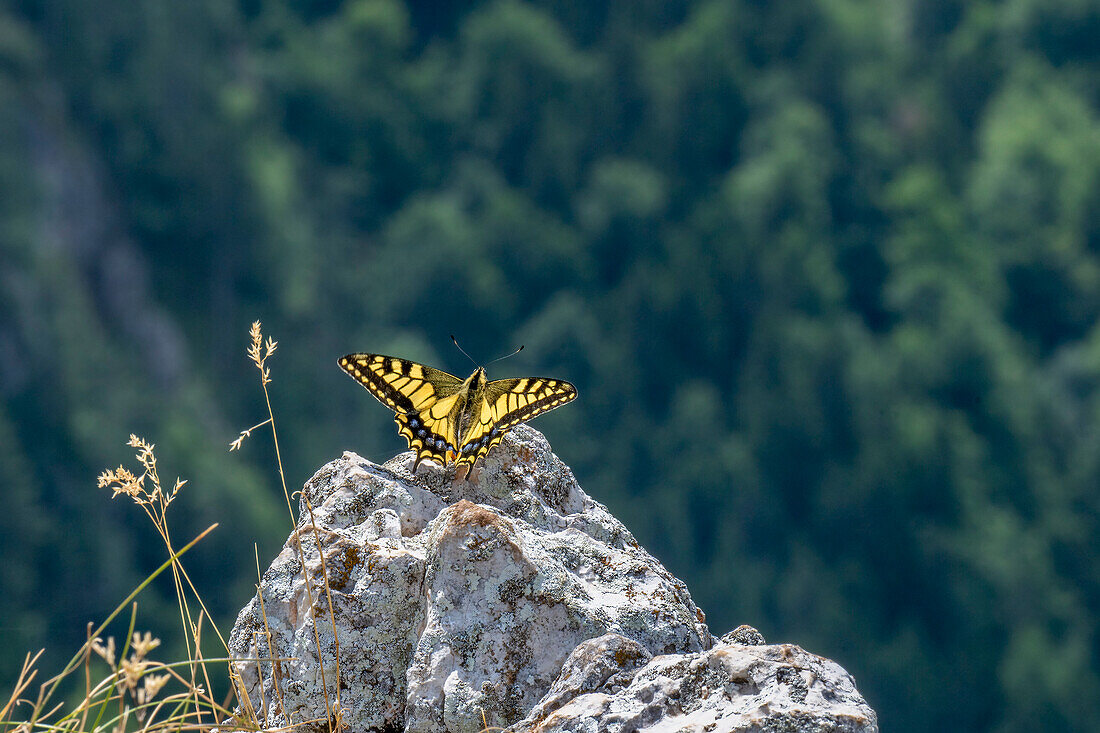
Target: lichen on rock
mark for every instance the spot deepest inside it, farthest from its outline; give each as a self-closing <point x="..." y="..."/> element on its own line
<point x="509" y="599"/>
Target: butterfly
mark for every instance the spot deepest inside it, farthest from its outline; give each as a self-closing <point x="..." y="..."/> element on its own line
<point x="449" y="420"/>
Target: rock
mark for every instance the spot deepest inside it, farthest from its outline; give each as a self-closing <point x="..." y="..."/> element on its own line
<point x="512" y="599"/>
<point x="607" y="663"/>
<point x="728" y="688"/>
<point x="451" y="599"/>
<point x="744" y="634"/>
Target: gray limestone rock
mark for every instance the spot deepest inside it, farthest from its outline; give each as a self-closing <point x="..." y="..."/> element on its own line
<point x="730" y="688"/>
<point x="744" y="634"/>
<point x="512" y="599"/>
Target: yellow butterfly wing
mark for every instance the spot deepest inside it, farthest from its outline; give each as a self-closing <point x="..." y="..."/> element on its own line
<point x="426" y="400"/>
<point x="503" y="404"/>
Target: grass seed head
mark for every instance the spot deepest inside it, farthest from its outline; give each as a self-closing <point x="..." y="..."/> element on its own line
<point x="106" y="651"/>
<point x="132" y="669"/>
<point x="143" y="644"/>
<point x="121" y="481"/>
<point x="151" y="684"/>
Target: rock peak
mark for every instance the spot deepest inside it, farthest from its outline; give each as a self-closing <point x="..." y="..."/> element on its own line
<point x="513" y="598"/>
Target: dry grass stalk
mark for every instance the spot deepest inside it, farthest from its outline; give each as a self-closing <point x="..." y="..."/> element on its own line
<point x="135" y="684"/>
<point x="143" y="693"/>
<point x="148" y="493"/>
<point x="259" y="351"/>
<point x="275" y="671"/>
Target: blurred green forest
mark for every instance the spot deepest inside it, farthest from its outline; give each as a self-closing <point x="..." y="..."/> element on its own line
<point x="826" y="274"/>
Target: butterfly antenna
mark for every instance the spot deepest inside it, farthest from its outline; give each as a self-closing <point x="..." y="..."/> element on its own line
<point x="494" y="361"/>
<point x="463" y="350"/>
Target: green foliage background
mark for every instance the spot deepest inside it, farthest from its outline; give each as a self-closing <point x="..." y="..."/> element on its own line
<point x="826" y="273"/>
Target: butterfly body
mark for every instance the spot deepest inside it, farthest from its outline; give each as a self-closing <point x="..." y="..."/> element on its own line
<point x="450" y="420"/>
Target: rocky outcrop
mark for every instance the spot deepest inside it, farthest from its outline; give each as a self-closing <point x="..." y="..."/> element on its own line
<point x="608" y="686"/>
<point x="513" y="599"/>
